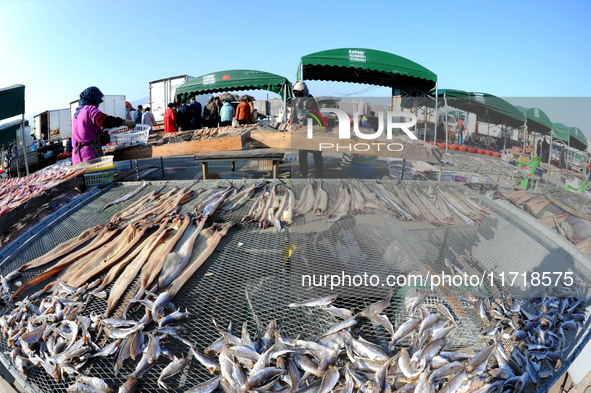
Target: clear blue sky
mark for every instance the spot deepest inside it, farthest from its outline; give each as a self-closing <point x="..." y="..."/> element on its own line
<point x="506" y="48"/>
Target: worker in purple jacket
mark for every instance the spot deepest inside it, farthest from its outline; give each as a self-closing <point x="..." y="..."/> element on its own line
<point x="87" y="123"/>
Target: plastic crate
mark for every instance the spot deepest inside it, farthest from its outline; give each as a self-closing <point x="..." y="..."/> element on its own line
<point x="124" y="137"/>
<point x="265" y="165"/>
<point x="99" y="178"/>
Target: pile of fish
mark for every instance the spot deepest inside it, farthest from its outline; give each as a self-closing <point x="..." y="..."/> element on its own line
<point x="16" y="191"/>
<point x="149" y="240"/>
<point x="405" y="202"/>
<point x="414" y="360"/>
<point x="538" y="336"/>
<point x="207" y="133"/>
<point x="272" y="209"/>
<point x="54" y="334"/>
<point x="573" y="220"/>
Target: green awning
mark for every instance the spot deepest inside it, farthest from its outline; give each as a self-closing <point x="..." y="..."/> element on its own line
<point x="577" y="139"/>
<point x="560" y="131"/>
<point x="8" y="132"/>
<point x="537" y="120"/>
<point x="374" y="67"/>
<point x="12" y="101"/>
<point x="488" y="108"/>
<point x="234" y="80"/>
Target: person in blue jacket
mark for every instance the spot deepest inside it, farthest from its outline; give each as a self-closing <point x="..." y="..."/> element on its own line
<point x="226" y="114"/>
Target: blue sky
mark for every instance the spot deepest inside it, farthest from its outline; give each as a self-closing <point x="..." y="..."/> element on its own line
<point x="56" y="48"/>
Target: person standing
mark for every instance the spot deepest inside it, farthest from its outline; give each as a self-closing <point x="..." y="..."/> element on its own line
<point x="243" y="112"/>
<point x="563" y="157"/>
<point x="87" y="123"/>
<point x="250" y="101"/>
<point x="301" y="104"/>
<point x="211" y="112"/>
<point x="196" y="118"/>
<point x="138" y="115"/>
<point x="226" y="114"/>
<point x="148" y="118"/>
<point x="184" y="116"/>
<point x="170" y="118"/>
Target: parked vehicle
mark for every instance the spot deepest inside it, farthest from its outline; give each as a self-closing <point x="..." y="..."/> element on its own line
<point x="162" y="93"/>
<point x="53" y="125"/>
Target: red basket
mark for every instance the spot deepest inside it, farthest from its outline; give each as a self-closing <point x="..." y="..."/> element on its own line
<point x="463" y="148"/>
<point x="488" y="152"/>
<point x="496" y="154"/>
<point x="441" y="145"/>
<point x="452" y="146"/>
<point x="480" y="151"/>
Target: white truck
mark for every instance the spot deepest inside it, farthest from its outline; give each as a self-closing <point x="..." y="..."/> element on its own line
<point x="162" y="93"/>
<point x="53" y="125"/>
<point x="113" y="105"/>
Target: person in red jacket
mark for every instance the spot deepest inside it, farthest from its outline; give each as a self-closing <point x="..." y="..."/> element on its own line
<point x="170" y="118"/>
<point x="243" y="112"/>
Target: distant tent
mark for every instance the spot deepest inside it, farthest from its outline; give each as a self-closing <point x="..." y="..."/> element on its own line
<point x="12" y="101"/>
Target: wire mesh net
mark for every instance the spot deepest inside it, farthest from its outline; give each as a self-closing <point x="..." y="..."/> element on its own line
<point x="256" y="273"/>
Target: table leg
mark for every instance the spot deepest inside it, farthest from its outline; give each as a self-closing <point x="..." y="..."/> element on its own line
<point x="233" y="166"/>
<point x="204" y="170"/>
<point x="275" y="169"/>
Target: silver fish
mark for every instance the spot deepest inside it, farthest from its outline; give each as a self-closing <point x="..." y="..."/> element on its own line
<point x="96" y="383"/>
<point x="207" y="386"/>
<point x="173" y="368"/>
<point x="323" y="301"/>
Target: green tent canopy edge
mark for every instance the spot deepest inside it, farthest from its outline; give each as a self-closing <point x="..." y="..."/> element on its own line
<point x="229" y="80"/>
<point x="12" y="101"/>
<point x="537" y="120"/>
<point x="368" y="66"/>
<point x="487" y="107"/>
<point x="8" y="132"/>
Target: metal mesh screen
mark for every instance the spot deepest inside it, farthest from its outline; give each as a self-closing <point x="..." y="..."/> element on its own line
<point x="252" y="276"/>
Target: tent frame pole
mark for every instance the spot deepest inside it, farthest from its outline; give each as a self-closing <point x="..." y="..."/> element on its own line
<point x="436" y="113"/>
<point x="285" y="103"/>
<point x="26" y="153"/>
<point x="446" y="127"/>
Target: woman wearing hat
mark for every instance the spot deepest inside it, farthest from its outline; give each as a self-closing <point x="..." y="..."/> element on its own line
<point x="87" y="124"/>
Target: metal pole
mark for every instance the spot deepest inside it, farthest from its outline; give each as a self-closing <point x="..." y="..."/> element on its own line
<point x="24" y="144"/>
<point x="436" y="119"/>
<point x="425" y="134"/>
<point x="446" y="128"/>
<point x="524" y="134"/>
<point x="550" y="150"/>
<point x="285" y="103"/>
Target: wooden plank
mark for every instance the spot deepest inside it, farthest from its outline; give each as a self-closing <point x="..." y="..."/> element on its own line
<point x="278" y="139"/>
<point x="239" y="155"/>
<point x="180" y="148"/>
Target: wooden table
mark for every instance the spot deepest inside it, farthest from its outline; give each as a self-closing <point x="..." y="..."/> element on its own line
<point x="244" y="155"/>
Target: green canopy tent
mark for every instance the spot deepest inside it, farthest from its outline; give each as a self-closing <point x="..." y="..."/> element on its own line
<point x="369" y="66"/>
<point x="577" y="139"/>
<point x="8" y="132"/>
<point x="235" y="80"/>
<point x="536" y="120"/>
<point x="487" y="107"/>
<point x="12" y="103"/>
